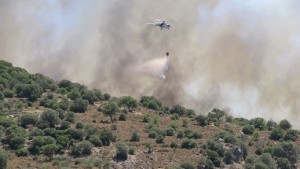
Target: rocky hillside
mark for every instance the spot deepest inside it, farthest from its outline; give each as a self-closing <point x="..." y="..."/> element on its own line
<point x="49" y="124"/>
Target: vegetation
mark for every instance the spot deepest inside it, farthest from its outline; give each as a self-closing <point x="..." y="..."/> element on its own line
<point x="63" y="124"/>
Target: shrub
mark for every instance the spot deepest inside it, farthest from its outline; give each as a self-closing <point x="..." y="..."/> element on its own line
<point x="42" y="124"/>
<point x="286" y="150"/>
<point x="89" y="96"/>
<point x="70" y="117"/>
<point x="152" y="134"/>
<point x="114" y="127"/>
<point x="63" y="141"/>
<point x="22" y="152"/>
<point x="284" y="124"/>
<point x="175" y="117"/>
<point x="277" y="134"/>
<point x="248" y="129"/>
<point x="228" y="157"/>
<point x="188" y="144"/>
<point x="129" y="102"/>
<point x="201" y="120"/>
<point x="173" y="145"/>
<point x="50" y="116"/>
<point x="186" y="165"/>
<point x="271" y="125"/>
<point x="122" y="151"/>
<point x="180" y="134"/>
<point x="79" y="105"/>
<point x="36" y="132"/>
<point x="50" y="132"/>
<point x="170" y="132"/>
<point x="122" y="117"/>
<point x="150" y="102"/>
<point x="110" y="109"/>
<point x="6" y="122"/>
<point x="197" y="135"/>
<point x="258" y="123"/>
<point x="3" y="160"/>
<point x="95" y="140"/>
<point x="205" y="164"/>
<point x="82" y="148"/>
<point x="146" y="118"/>
<point x="30" y="91"/>
<point x="79" y="125"/>
<point x="184" y="123"/>
<point x="260" y="165"/>
<point x="178" y="109"/>
<point x="267" y="159"/>
<point x="64" y="125"/>
<point x="131" y="150"/>
<point x="215" y="146"/>
<point x="49" y="150"/>
<point x="76" y="134"/>
<point x="283" y="163"/>
<point x="8" y="93"/>
<point x="16" y="142"/>
<point x="38" y="142"/>
<point x="291" y="135"/>
<point x="159" y="139"/>
<point x="214" y="157"/>
<point x="106" y="136"/>
<point x="135" y="137"/>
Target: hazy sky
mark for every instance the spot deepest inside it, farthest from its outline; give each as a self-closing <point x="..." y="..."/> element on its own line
<point x="242" y="56"/>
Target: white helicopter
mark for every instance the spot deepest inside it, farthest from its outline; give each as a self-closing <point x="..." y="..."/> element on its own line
<point x="161" y="24"/>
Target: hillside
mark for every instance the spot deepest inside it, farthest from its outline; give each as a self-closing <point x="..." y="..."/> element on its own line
<point x="48" y="124"/>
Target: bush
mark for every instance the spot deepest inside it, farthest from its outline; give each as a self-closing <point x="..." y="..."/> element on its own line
<point x="6" y="122"/>
<point x="150" y="102"/>
<point x="106" y="136"/>
<point x="170" y="132"/>
<point x="283" y="163"/>
<point x="197" y="135"/>
<point x="184" y="123"/>
<point x="180" y="134"/>
<point x="152" y="134"/>
<point x="95" y="140"/>
<point x="42" y="124"/>
<point x="214" y="157"/>
<point x="122" y="151"/>
<point x="186" y="165"/>
<point x="70" y="117"/>
<point x="284" y="124"/>
<point x="146" y="118"/>
<point x="89" y="96"/>
<point x="291" y="135"/>
<point x="22" y="152"/>
<point x="49" y="150"/>
<point x="248" y="129"/>
<point x="63" y="141"/>
<point x="3" y="160"/>
<point x="159" y="139"/>
<point x="260" y="165"/>
<point x="16" y="142"/>
<point x="271" y="125"/>
<point x="286" y="150"/>
<point x="36" y="132"/>
<point x="201" y="120"/>
<point x="215" y="146"/>
<point x="122" y="117"/>
<point x="50" y="132"/>
<point x="79" y="105"/>
<point x="267" y="159"/>
<point x="205" y="164"/>
<point x="228" y="157"/>
<point x="131" y="151"/>
<point x="129" y="102"/>
<point x="38" y="142"/>
<point x="188" y="144"/>
<point x="30" y="91"/>
<point x="178" y="109"/>
<point x="64" y="125"/>
<point x="76" y="134"/>
<point x="8" y="93"/>
<point x="258" y="123"/>
<point x="79" y="125"/>
<point x="277" y="134"/>
<point x="82" y="148"/>
<point x="173" y="145"/>
<point x="50" y="116"/>
<point x="135" y="137"/>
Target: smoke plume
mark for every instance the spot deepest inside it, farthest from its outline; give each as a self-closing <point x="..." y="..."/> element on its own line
<point x="242" y="56"/>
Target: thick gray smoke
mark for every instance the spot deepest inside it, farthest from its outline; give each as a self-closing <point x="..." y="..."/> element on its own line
<point x="238" y="55"/>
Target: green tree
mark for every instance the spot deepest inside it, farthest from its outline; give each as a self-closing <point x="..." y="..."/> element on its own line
<point x="28" y="119"/>
<point x="110" y="109"/>
<point x="30" y="91"/>
<point x="122" y="151"/>
<point x="178" y="109"/>
<point x="277" y="133"/>
<point x="228" y="157"/>
<point x="82" y="148"/>
<point x="248" y="129"/>
<point x="79" y="105"/>
<point x="129" y="102"/>
<point x="70" y="117"/>
<point x="286" y="150"/>
<point x="284" y="124"/>
<point x="49" y="150"/>
<point x="50" y="116"/>
<point x="258" y="123"/>
<point x="283" y="163"/>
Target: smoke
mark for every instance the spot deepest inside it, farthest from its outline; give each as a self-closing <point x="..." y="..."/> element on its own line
<point x="237" y="55"/>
